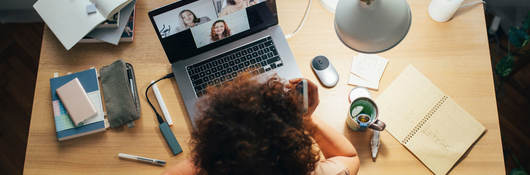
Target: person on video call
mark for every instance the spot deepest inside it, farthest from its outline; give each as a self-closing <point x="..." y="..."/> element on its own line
<point x="254" y="127"/>
<point x="219" y="30"/>
<point x="234" y="6"/>
<point x="190" y="19"/>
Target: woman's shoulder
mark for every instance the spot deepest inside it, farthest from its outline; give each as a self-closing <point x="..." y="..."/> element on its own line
<point x="203" y="19"/>
<point x="228" y="10"/>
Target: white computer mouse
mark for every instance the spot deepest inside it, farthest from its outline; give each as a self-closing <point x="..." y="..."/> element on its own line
<point x="325" y="72"/>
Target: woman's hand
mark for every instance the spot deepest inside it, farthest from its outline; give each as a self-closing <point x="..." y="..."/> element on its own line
<point x="312" y="93"/>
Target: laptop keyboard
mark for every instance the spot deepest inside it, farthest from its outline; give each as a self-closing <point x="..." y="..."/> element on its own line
<point x="258" y="57"/>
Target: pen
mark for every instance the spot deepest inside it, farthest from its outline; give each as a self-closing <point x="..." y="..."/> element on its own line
<point x="142" y="159"/>
<point x="374" y="144"/>
<point x="129" y="74"/>
<point x="160" y="100"/>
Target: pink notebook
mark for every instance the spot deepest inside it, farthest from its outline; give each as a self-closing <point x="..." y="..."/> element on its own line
<point x="76" y="101"/>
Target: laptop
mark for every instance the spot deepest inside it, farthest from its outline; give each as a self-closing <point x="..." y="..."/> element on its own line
<point x="210" y="42"/>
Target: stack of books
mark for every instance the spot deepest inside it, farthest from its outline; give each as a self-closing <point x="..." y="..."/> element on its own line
<point x="88" y="21"/>
<point x="65" y="127"/>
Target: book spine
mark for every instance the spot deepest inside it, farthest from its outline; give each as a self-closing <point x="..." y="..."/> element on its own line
<point x="424" y="120"/>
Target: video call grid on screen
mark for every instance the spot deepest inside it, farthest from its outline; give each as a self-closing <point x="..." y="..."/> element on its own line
<point x="199" y="23"/>
<point x="205" y="13"/>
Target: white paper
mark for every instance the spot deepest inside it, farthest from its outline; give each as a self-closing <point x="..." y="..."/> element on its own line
<point x="355" y="80"/>
<point x="68" y="19"/>
<point x="367" y="70"/>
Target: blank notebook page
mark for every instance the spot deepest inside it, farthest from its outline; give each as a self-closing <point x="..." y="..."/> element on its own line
<point x="426" y="121"/>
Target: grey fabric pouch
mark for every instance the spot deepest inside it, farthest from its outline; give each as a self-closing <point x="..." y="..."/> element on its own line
<point x="120" y="93"/>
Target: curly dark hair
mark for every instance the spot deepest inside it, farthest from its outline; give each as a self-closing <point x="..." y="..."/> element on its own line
<point x="248" y="127"/>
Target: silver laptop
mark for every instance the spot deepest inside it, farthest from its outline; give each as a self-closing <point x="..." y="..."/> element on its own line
<point x="209" y="42"/>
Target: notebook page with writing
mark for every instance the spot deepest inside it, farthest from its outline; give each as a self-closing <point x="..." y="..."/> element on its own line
<point x="406" y="101"/>
<point x="426" y="121"/>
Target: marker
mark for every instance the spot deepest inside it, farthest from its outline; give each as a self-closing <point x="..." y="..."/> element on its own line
<point x="142" y="159"/>
<point x="158" y="96"/>
<point x="129" y="74"/>
<point x="374" y="144"/>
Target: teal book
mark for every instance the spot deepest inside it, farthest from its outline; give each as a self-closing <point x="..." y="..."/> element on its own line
<point x="64" y="127"/>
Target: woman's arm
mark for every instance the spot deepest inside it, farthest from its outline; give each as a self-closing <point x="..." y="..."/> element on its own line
<point x="184" y="167"/>
<point x="333" y="144"/>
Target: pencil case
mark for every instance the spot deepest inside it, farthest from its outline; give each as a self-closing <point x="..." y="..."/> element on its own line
<point x="120" y="94"/>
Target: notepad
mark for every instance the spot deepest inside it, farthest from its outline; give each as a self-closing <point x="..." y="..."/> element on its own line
<point x="366" y="70"/>
<point x="427" y="121"/>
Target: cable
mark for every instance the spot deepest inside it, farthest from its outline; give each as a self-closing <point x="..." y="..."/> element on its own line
<point x="308" y="8"/>
<point x="301" y="24"/>
<point x="158" y="117"/>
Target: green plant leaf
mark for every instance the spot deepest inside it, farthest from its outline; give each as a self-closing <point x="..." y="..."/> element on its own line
<point x="518" y="171"/>
<point x="504" y="66"/>
<point x="518" y="37"/>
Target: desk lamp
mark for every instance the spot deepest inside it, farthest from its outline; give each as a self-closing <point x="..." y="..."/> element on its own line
<point x="371" y="26"/>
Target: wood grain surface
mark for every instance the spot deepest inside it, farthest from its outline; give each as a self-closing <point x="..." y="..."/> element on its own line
<point x="454" y="55"/>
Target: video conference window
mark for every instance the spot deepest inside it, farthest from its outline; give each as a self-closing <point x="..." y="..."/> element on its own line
<point x="185" y="17"/>
<point x="209" y="20"/>
<point x="221" y="28"/>
<point x="227" y="7"/>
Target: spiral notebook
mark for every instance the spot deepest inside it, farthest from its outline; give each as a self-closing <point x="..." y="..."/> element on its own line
<point x="426" y="121"/>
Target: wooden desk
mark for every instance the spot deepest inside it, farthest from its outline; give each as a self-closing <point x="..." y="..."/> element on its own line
<point x="454" y="55"/>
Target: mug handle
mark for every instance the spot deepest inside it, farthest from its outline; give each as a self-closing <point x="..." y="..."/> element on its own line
<point x="378" y="125"/>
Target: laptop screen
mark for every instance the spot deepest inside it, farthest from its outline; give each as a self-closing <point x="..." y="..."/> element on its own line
<point x="190" y="27"/>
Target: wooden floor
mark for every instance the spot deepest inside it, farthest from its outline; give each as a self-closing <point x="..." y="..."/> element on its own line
<point x="19" y="56"/>
<point x="513" y="103"/>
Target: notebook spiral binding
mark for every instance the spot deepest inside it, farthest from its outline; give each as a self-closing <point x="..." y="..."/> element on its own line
<point x="424" y="120"/>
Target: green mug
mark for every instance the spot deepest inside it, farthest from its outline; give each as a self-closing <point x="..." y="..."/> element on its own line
<point x="363" y="112"/>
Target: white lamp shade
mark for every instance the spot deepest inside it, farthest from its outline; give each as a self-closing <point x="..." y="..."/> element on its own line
<point x="372" y="28"/>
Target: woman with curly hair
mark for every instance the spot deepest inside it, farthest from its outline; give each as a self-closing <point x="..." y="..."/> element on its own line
<point x="219" y="30"/>
<point x="248" y="127"/>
